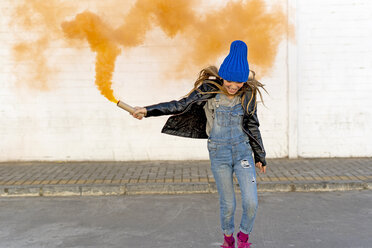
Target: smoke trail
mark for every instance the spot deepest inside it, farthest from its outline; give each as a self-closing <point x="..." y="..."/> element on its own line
<point x="203" y="37"/>
<point x="100" y="37"/>
<point x="105" y="41"/>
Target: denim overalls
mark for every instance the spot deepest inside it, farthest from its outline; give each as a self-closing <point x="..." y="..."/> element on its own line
<point x="230" y="151"/>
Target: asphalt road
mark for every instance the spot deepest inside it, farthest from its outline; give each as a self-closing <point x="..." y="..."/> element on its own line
<point x="332" y="219"/>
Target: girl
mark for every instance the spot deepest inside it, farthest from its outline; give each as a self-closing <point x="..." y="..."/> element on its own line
<point x="222" y="107"/>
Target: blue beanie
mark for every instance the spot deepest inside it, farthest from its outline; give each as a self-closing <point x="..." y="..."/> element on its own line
<point x="235" y="66"/>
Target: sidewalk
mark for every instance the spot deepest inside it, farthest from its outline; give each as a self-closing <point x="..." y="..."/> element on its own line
<point x="175" y="177"/>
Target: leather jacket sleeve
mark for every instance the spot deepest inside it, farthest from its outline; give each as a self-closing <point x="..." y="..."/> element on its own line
<point x="256" y="144"/>
<point x="177" y="107"/>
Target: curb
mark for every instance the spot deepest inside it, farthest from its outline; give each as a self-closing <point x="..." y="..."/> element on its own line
<point x="173" y="188"/>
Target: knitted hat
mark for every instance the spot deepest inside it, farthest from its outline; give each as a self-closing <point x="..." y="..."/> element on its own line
<point x="235" y="66"/>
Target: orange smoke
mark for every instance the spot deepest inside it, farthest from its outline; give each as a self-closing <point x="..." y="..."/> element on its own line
<point x="172" y="16"/>
<point x="32" y="54"/>
<point x="209" y="36"/>
<point x="251" y="21"/>
<point x="90" y="27"/>
<point x="203" y="37"/>
<point x="39" y="21"/>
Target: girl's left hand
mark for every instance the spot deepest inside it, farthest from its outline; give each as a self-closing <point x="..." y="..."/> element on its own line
<point x="139" y="112"/>
<point x="262" y="168"/>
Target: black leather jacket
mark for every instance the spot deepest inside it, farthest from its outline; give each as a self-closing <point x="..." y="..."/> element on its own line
<point x="188" y="118"/>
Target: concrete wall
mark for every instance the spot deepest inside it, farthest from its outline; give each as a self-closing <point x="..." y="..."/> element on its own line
<point x="318" y="105"/>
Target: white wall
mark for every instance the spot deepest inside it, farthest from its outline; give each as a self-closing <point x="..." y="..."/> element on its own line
<point x="72" y="121"/>
<point x="334" y="73"/>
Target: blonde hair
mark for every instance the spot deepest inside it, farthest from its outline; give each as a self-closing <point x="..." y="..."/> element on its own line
<point x="251" y="85"/>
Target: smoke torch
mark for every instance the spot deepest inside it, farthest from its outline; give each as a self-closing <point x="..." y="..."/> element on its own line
<point x="125" y="106"/>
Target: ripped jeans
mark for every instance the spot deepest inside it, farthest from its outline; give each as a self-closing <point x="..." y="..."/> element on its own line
<point x="227" y="158"/>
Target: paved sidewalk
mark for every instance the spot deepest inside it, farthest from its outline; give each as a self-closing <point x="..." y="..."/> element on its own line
<point x="175" y="177"/>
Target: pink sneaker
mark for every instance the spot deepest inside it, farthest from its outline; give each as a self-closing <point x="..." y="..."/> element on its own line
<point x="228" y="242"/>
<point x="243" y="240"/>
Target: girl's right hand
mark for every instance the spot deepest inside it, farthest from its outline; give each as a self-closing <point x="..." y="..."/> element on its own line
<point x="139" y="112"/>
